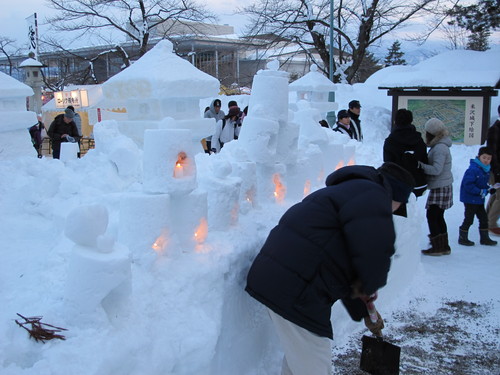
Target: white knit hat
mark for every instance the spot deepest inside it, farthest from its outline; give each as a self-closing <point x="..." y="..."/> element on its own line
<point x="434" y="126"/>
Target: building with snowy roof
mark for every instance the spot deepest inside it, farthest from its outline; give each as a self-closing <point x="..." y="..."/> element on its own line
<point x="454" y="86"/>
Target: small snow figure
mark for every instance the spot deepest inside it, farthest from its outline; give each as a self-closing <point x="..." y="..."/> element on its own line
<point x="273" y="65"/>
<point x="99" y="272"/>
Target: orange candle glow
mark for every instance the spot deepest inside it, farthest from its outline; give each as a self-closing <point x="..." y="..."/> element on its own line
<point x="307" y="188"/>
<point x="280" y="189"/>
<point x="201" y="232"/>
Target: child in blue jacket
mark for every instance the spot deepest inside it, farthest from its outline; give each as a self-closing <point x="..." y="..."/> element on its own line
<point x="473" y="190"/>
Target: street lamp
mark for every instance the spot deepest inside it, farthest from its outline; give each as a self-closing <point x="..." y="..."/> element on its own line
<point x="330" y="116"/>
<point x="331" y="41"/>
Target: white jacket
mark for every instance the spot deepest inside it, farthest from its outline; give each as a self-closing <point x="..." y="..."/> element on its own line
<point x="222" y="135"/>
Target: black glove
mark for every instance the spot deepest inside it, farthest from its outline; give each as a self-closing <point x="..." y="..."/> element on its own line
<point x="375" y="328"/>
<point x="492" y="190"/>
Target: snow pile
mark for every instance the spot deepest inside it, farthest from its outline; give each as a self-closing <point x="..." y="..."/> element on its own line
<point x="449" y="69"/>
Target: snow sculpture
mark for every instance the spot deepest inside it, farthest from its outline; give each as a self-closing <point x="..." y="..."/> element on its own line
<point x="162" y="93"/>
<point x="13" y="104"/>
<point x="223" y="192"/>
<point x="267" y="137"/>
<point x="69" y="151"/>
<point x="99" y="273"/>
<point x="314" y="88"/>
<point x="169" y="163"/>
<point x="160" y="85"/>
<point x="143" y="223"/>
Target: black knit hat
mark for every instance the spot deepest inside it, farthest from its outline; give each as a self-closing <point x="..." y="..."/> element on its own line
<point x="342" y="114"/>
<point x="354" y="104"/>
<point x="403" y="117"/>
<point x="401" y="181"/>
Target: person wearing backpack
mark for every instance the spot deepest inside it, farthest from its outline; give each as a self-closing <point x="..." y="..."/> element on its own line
<point x="227" y="129"/>
<point x="406" y="147"/>
<point x="213" y="111"/>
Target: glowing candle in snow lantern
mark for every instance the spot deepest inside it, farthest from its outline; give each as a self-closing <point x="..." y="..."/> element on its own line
<point x="321" y="176"/>
<point x="179" y="165"/>
<point x="160" y="243"/>
<point x="339" y="165"/>
<point x="250" y="195"/>
<point x="201" y="231"/>
<point x="307" y="188"/>
<point x="351" y="162"/>
<point x="280" y="189"/>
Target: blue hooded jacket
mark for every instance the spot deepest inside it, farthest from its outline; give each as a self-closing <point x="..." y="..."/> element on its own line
<point x="474" y="182"/>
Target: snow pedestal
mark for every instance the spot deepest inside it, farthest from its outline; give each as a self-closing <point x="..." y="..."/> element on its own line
<point x="269" y="97"/>
<point x="247" y="172"/>
<point x="306" y="175"/>
<point x="189" y="219"/>
<point x="268" y="116"/>
<point x="69" y="151"/>
<point x="350" y="153"/>
<point x="99" y="274"/>
<point x="198" y="127"/>
<point x="169" y="163"/>
<point x="271" y="183"/>
<point x="144" y="223"/>
<point x="223" y="194"/>
<point x="98" y="280"/>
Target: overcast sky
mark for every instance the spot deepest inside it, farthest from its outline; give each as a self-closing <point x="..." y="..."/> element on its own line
<point x="14" y="13"/>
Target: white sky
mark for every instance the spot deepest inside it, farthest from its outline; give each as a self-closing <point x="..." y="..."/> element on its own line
<point x="13" y="24"/>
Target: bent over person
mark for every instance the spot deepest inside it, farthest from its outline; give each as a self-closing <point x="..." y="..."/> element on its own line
<point x="62" y="129"/>
<point x="316" y="256"/>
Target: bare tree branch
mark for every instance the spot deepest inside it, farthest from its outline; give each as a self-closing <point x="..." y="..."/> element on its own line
<point x="358" y="24"/>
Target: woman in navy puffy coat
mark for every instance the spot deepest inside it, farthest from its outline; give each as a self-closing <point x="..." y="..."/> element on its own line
<point x="473" y="190"/>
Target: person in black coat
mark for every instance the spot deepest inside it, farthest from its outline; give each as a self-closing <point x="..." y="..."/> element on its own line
<point x="354" y="112"/>
<point x="36" y="136"/>
<point x="335" y="244"/>
<point x="344" y="125"/>
<point x="62" y="129"/>
<point x="406" y="147"/>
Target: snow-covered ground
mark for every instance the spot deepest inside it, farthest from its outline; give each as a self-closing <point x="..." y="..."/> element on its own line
<point x="185" y="311"/>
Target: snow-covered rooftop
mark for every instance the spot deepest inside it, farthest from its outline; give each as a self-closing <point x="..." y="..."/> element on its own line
<point x="11" y="87"/>
<point x="30" y="62"/>
<point x="458" y="68"/>
<point x="161" y="74"/>
<point x="314" y="81"/>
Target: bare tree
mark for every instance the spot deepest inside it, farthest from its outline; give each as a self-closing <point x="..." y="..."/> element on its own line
<point x="8" y="49"/>
<point x="357" y="25"/>
<point x="134" y="21"/>
<point x="455" y="35"/>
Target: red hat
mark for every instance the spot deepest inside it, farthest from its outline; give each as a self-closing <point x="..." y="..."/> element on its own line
<point x="234" y="111"/>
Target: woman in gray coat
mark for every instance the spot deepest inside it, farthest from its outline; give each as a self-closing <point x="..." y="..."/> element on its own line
<point x="440" y="184"/>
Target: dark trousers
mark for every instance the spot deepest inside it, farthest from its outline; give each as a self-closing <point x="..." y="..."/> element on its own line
<point x="435" y="220"/>
<point x="56" y="150"/>
<point x="472" y="210"/>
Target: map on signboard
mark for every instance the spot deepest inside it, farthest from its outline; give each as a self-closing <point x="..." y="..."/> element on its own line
<point x="450" y="111"/>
